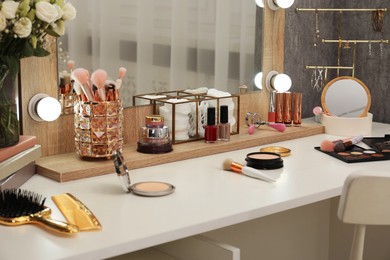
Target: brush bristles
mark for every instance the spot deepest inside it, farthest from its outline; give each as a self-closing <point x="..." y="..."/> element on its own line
<point x="17" y="202"/>
<point x="227" y="164"/>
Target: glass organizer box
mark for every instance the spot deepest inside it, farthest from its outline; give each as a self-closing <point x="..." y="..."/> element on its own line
<point x="98" y="128"/>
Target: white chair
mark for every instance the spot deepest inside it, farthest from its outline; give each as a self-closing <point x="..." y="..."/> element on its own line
<point x="365" y="200"/>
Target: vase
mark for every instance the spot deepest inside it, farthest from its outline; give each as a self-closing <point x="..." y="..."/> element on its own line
<point x="9" y="120"/>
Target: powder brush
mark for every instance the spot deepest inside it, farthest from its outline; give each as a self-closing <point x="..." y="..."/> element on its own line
<point x="18" y="207"/>
<point x="99" y="78"/>
<point x="230" y="165"/>
<point x="81" y="76"/>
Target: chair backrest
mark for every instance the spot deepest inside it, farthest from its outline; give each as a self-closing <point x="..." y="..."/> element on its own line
<point x="365" y="198"/>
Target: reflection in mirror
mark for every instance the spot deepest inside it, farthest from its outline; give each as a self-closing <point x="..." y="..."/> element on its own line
<point x="165" y="45"/>
<point x="346" y="97"/>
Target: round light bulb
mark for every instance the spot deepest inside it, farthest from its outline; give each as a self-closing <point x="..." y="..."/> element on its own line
<point x="48" y="108"/>
<point x="284" y="3"/>
<point x="260" y="3"/>
<point x="259" y="80"/>
<point x="281" y="82"/>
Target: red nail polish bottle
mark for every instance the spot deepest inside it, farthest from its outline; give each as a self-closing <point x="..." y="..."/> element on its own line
<point x="210" y="130"/>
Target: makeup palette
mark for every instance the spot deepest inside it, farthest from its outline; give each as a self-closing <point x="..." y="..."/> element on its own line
<point x="380" y="144"/>
<point x="358" y="154"/>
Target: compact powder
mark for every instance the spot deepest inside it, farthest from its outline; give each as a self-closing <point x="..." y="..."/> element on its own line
<point x="263" y="156"/>
<point x="343" y="153"/>
<point x="264" y="160"/>
<point x="152" y="188"/>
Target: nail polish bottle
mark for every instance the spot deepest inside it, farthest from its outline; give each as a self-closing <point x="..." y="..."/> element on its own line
<point x="210" y="130"/>
<point x="223" y="126"/>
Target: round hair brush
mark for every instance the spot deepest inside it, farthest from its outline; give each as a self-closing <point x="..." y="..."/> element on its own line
<point x="18" y="207"/>
<point x="230" y="165"/>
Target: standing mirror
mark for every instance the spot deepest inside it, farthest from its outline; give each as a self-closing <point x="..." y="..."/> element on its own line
<point x="166" y="45"/>
<point x="346" y="97"/>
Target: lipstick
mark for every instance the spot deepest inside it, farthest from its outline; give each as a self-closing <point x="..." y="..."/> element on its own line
<point x="271" y="110"/>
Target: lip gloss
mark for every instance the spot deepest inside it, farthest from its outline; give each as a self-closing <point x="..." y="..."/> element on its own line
<point x="210" y="130"/>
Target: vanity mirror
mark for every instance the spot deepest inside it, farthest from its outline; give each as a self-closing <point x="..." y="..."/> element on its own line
<point x="167" y="45"/>
<point x="346" y="97"/>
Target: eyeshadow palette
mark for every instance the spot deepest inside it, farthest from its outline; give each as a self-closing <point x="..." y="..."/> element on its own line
<point x="358" y="154"/>
<point x="379" y="144"/>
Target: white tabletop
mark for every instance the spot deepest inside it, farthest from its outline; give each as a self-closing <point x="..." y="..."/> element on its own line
<point x="206" y="198"/>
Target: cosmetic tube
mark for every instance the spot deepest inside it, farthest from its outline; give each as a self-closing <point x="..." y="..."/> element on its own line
<point x="297" y="99"/>
<point x="210" y="130"/>
<point x="271" y="110"/>
<point x="223" y="126"/>
<point x="279" y="107"/>
<point x="287" y="108"/>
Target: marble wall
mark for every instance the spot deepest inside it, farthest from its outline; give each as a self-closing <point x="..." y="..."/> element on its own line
<point x="371" y="68"/>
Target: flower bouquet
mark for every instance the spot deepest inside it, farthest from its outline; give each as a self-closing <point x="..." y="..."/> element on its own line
<point x="24" y="26"/>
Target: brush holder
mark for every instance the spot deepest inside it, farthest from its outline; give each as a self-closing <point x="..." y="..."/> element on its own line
<point x="98" y="128"/>
<point x="67" y="102"/>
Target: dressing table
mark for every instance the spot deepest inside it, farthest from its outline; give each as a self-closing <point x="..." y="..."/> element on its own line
<point x="207" y="199"/>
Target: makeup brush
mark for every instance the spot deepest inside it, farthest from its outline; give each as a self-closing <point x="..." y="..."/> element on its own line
<point x="340" y="145"/>
<point x="81" y="76"/>
<point x="118" y="82"/>
<point x="99" y="78"/>
<point x="18" y="207"/>
<point x="70" y="65"/>
<point x="229" y="164"/>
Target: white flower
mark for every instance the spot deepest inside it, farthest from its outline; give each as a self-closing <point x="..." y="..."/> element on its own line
<point x="46" y="12"/>
<point x="59" y="27"/>
<point x="3" y="22"/>
<point x="9" y="9"/>
<point x="22" y="27"/>
<point x="60" y="13"/>
<point x="69" y="12"/>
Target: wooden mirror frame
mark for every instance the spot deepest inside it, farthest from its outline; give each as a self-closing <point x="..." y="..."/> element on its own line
<point x="331" y="83"/>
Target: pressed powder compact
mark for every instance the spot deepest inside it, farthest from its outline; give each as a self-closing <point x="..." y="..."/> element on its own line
<point x="264" y="160"/>
<point x="147" y="189"/>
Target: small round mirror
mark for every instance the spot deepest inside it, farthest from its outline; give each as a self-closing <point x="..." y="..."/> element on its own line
<point x="346" y="97"/>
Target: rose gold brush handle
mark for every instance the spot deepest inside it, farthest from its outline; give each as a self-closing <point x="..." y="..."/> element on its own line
<point x="55" y="225"/>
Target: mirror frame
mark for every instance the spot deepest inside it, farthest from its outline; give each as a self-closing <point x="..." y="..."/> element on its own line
<point x="330" y="83"/>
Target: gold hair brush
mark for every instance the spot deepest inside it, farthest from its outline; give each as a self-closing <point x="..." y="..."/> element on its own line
<point x="18" y="207"/>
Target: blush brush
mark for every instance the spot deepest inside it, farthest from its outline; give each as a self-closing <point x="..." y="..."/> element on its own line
<point x="18" y="207"/>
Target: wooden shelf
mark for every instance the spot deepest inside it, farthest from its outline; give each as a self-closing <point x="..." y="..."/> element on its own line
<point x="69" y="166"/>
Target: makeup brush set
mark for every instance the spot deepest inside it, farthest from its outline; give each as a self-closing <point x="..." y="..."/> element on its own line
<point x="348" y="150"/>
<point x="18" y="207"/>
<point x="98" y="113"/>
<point x="96" y="87"/>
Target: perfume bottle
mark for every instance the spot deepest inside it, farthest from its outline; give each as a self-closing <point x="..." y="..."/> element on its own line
<point x="223" y="126"/>
<point x="210" y="130"/>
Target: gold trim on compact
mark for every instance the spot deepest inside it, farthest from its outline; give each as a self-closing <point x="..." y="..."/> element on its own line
<point x="282" y="151"/>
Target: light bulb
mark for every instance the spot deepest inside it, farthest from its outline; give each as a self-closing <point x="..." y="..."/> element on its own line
<point x="49" y="109"/>
<point x="41" y="107"/>
<point x="284" y="3"/>
<point x="260" y="3"/>
<point x="259" y="80"/>
<point x="276" y="4"/>
<point x="281" y="82"/>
